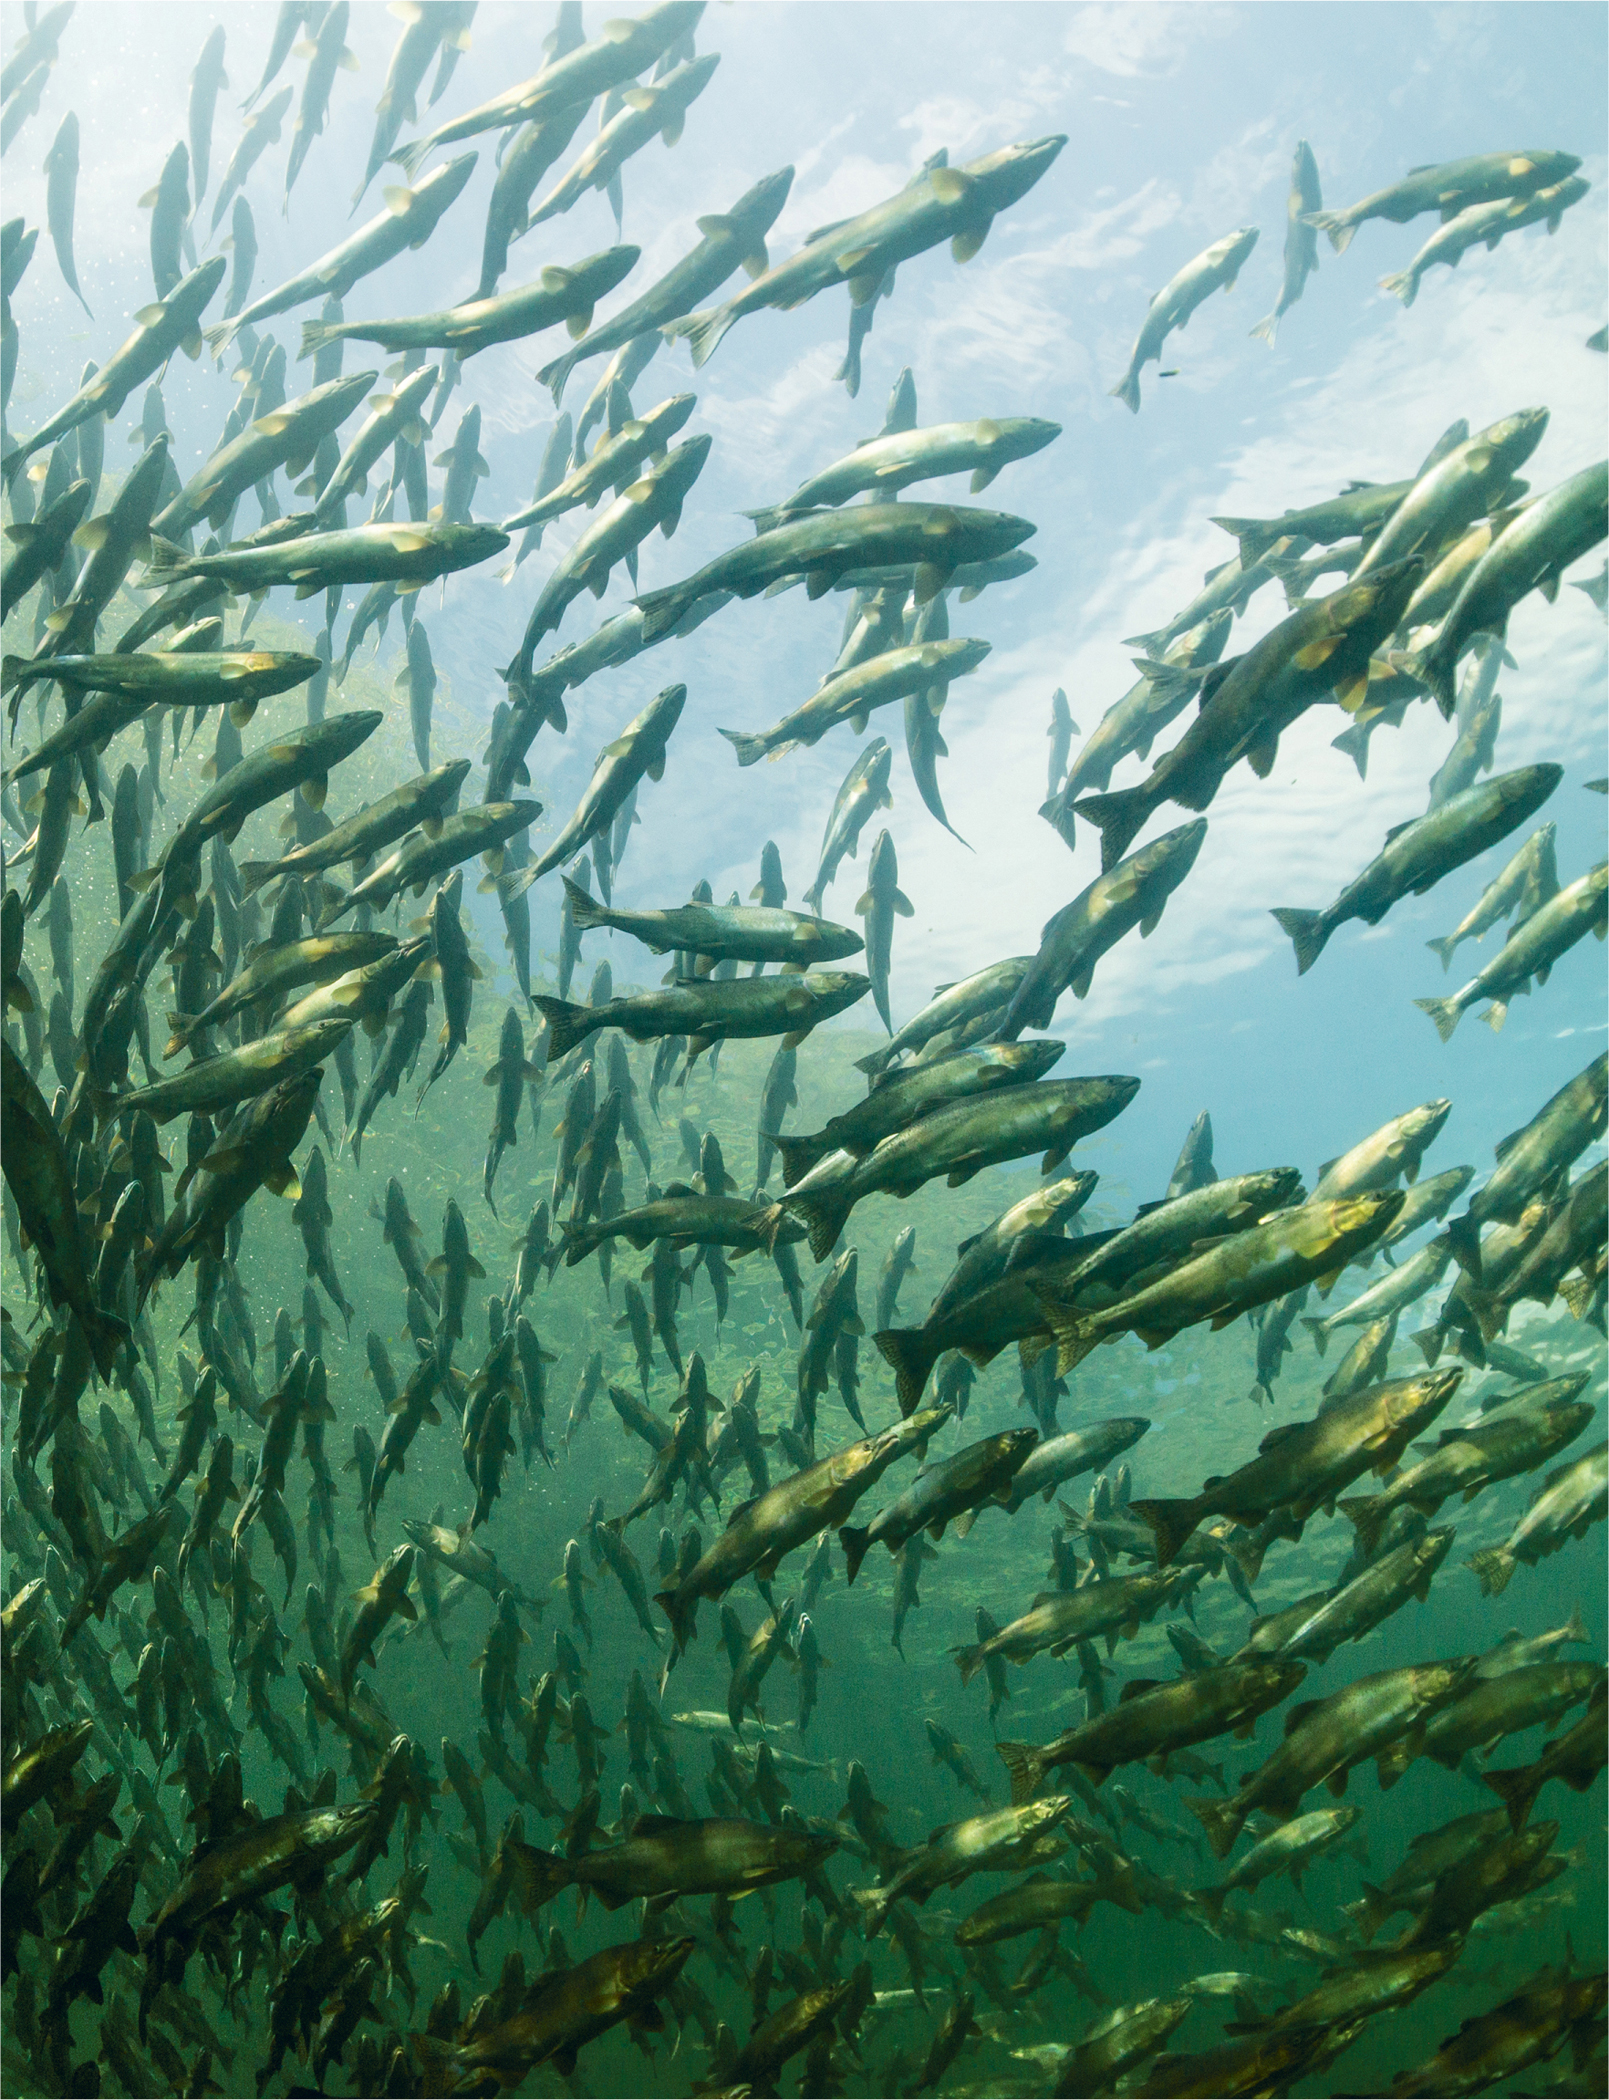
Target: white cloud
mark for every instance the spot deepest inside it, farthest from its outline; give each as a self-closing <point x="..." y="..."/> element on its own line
<point x="1134" y="41"/>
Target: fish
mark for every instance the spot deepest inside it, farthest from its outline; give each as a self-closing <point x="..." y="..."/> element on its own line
<point x="1485" y="224"/>
<point x="1301" y="239"/>
<point x="1530" y="554"/>
<point x="1448" y="187"/>
<point x="1530" y="953"/>
<point x="1381" y="1715"/>
<point x="1324" y="647"/>
<point x="1213" y="269"/>
<point x="827" y="545"/>
<point x="857" y="692"/>
<point x="895" y="461"/>
<point x="562" y="294"/>
<point x="1417" y="855"/>
<point x="956" y="204"/>
<point x="958" y="1141"/>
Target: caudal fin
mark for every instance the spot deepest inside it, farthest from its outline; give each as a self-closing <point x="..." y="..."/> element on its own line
<point x="1354" y="741"/>
<point x="1117" y="818"/>
<point x="1445" y="948"/>
<point x="1212" y="1900"/>
<point x="1516" y="1787"/>
<point x="556" y="375"/>
<point x="1171" y="1521"/>
<point x="1267" y="328"/>
<point x="1256" y="536"/>
<point x="1370" y="1912"/>
<point x="855" y="1540"/>
<point x="1319" y="1330"/>
<point x="1367" y="1515"/>
<point x="539" y="1876"/>
<point x="1309" y="930"/>
<point x="1493" y="1566"/>
<point x="702" y="331"/>
<point x="1446" y="1013"/>
<point x="315" y="335"/>
<point x="585" y="909"/>
<point x="1222" y="1822"/>
<point x="1127" y="390"/>
<point x="822" y="1212"/>
<point x="912" y="1357"/>
<point x="1336" y="224"/>
<point x="1404" y="283"/>
<point x="682" y="1613"/>
<point x="567" y="1024"/>
<point x="798" y="1155"/>
<point x="969" y="1661"/>
<point x="750" y="749"/>
<point x="1463" y="1237"/>
<point x="1024" y="1767"/>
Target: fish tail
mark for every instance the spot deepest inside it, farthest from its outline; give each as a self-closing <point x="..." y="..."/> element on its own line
<point x="1493" y="1566"/>
<point x="254" y="873"/>
<point x="749" y="749"/>
<point x="798" y="1155"/>
<point x="702" y="331"/>
<point x="1117" y="818"/>
<point x="766" y="519"/>
<point x="911" y="1354"/>
<point x="1254" y="534"/>
<point x="1221" y="1820"/>
<point x="165" y="562"/>
<point x="1024" y="1767"/>
<point x="1074" y="1336"/>
<point x="435" y="2064"/>
<point x="315" y="334"/>
<point x="1127" y="391"/>
<point x="1446" y="1013"/>
<point x="855" y="1541"/>
<point x="567" y="1024"/>
<point x="1366" y="1516"/>
<point x="1336" y="224"/>
<point x="969" y="1661"/>
<point x="1319" y="1330"/>
<point x="823" y="1213"/>
<point x="586" y="911"/>
<point x="875" y="1061"/>
<point x="1369" y="1913"/>
<point x="411" y="158"/>
<point x="557" y="374"/>
<point x="1404" y="283"/>
<point x="539" y="1877"/>
<point x="1308" y="931"/>
<point x="660" y="610"/>
<point x="1429" y="667"/>
<point x="218" y="339"/>
<point x="682" y="1613"/>
<point x="1516" y="1787"/>
<point x="1463" y="1236"/>
<point x="1354" y="741"/>
<point x="1158" y="639"/>
<point x="1445" y="948"/>
<point x="1212" y="1900"/>
<point x="1267" y="328"/>
<point x="1171" y="1520"/>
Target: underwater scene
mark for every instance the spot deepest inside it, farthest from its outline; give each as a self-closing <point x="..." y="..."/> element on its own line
<point x="772" y="1321"/>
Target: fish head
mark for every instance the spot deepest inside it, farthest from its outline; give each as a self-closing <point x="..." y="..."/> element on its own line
<point x="1011" y="173"/>
<point x="469" y="543"/>
<point x="1546" y="165"/>
<point x="1509" y="442"/>
<point x="757" y="209"/>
